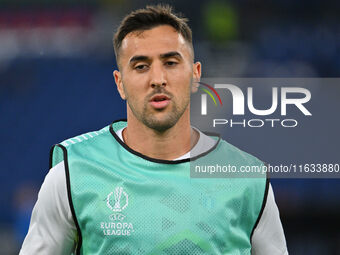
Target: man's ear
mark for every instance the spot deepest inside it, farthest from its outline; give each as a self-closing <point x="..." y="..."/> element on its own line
<point x="118" y="79"/>
<point x="196" y="76"/>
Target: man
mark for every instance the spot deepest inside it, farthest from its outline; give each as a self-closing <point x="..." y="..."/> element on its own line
<point x="126" y="189"/>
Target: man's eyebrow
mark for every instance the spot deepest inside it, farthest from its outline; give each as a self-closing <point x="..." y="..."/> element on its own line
<point x="139" y="58"/>
<point x="171" y="54"/>
<point x="146" y="58"/>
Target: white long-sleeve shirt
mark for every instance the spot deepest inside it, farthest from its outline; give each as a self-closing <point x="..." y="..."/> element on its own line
<point x="52" y="229"/>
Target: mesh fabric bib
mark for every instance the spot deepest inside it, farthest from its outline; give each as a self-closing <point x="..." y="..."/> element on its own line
<point x="125" y="203"/>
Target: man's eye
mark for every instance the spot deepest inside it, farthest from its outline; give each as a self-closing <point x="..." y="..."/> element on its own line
<point x="141" y="67"/>
<point x="171" y="63"/>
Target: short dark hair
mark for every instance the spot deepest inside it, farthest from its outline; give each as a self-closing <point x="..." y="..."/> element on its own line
<point x="148" y="18"/>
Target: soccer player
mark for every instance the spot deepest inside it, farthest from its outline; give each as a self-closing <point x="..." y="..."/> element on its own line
<point x="126" y="189"/>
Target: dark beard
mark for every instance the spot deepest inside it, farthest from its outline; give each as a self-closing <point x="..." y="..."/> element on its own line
<point x="159" y="125"/>
<point x="150" y="121"/>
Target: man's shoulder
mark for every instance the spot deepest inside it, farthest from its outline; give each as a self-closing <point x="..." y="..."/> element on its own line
<point x="236" y="153"/>
<point x="84" y="145"/>
<point x="86" y="137"/>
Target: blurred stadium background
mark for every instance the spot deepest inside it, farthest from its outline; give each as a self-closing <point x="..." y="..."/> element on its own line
<point x="56" y="63"/>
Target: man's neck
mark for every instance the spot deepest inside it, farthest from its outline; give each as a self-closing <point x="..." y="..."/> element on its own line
<point x="166" y="145"/>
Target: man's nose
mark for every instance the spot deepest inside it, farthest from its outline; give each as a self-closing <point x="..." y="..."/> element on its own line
<point x="158" y="76"/>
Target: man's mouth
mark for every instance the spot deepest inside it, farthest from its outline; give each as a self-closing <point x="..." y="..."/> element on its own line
<point x="159" y="101"/>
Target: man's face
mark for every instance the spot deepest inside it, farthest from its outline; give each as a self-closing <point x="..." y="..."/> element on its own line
<point x="156" y="75"/>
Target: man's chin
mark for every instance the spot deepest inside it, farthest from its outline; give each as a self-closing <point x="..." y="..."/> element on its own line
<point x="160" y="124"/>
